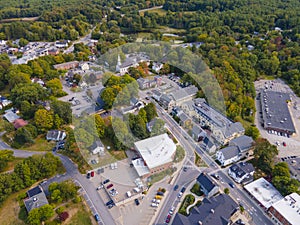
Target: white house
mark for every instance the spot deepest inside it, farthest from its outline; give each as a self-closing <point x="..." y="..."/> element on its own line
<point x="96" y="147"/>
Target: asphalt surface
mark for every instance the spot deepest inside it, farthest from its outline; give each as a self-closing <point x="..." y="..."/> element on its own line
<point x="237" y="193"/>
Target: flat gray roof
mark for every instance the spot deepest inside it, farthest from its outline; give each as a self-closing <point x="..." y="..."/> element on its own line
<point x="275" y="111"/>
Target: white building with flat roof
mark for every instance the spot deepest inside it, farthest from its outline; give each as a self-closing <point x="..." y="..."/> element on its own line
<point x="156" y="154"/>
<point x="263" y="192"/>
<point x="287" y="210"/>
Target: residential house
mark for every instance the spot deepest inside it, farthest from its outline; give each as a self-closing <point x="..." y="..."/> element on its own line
<point x="61" y="44"/>
<point x="207" y="185"/>
<point x="158" y="80"/>
<point x="198" y="134"/>
<point x="150" y="124"/>
<point x="145" y="83"/>
<point x="11" y="116"/>
<point x="56" y="135"/>
<point x="84" y="66"/>
<point x="132" y="60"/>
<point x="217" y="210"/>
<point x="209" y="146"/>
<point x="237" y="149"/>
<point x="18" y="123"/>
<point x="97" y="147"/>
<point x="166" y="102"/>
<point x="242" y="172"/>
<point x="36" y="198"/>
<point x="156" y="95"/>
<point x="157" y="67"/>
<point x="53" y="51"/>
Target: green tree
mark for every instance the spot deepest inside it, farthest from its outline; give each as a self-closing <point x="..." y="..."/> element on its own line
<point x="55" y="86"/>
<point x="100" y="126"/>
<point x="43" y="120"/>
<point x="151" y="111"/>
<point x="5" y="157"/>
<point x="226" y="191"/>
<point x="264" y="154"/>
<point x="252" y="131"/>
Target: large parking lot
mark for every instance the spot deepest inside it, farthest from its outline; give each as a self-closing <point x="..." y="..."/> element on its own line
<point x="292" y="143"/>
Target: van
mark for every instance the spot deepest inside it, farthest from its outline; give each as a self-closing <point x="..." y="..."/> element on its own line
<point x="128" y="193"/>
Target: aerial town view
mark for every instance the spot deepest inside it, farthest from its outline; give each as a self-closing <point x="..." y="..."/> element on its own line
<point x="149" y="112"/>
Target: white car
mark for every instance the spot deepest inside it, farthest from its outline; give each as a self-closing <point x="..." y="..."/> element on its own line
<point x="172" y="210"/>
<point x="154" y="205"/>
<point x="154" y="200"/>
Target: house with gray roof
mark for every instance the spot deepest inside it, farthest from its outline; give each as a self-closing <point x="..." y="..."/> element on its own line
<point x="198" y="134"/>
<point x="11" y="116"/>
<point x="242" y="172"/>
<point x="207" y="185"/>
<point x="96" y="147"/>
<point x="56" y="135"/>
<point x="36" y="198"/>
<point x="209" y="145"/>
<point x="237" y="149"/>
<point x="217" y="210"/>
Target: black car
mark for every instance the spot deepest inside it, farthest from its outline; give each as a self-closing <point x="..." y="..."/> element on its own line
<point x="109" y="203"/>
<point x="176" y="187"/>
<point x="137" y="202"/>
<point x="160" y="193"/>
<point x="106" y="181"/>
<point x="183" y="189"/>
<point x="231" y="185"/>
<point x="88" y="175"/>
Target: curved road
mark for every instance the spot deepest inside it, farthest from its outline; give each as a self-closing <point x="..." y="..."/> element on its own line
<point x="90" y="194"/>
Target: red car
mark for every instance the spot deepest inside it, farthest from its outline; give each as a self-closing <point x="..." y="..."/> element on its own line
<point x="109" y="186"/>
<point x="92" y="174"/>
<point x="284" y="144"/>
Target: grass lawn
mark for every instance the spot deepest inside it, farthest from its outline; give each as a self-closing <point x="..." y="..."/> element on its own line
<point x="9" y="211"/>
<point x="179" y="155"/>
<point x="159" y="176"/>
<point x="117" y="154"/>
<point x="80" y="217"/>
<point x="160" y="12"/>
<point x="11" y="165"/>
<point x="198" y="161"/>
<point x="41" y="144"/>
<point x="188" y="200"/>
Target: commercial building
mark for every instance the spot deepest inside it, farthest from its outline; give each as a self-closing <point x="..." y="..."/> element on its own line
<point x="263" y="192"/>
<point x="155" y="155"/>
<point x="286" y="211"/>
<point x="275" y="112"/>
<point x="218" y="210"/>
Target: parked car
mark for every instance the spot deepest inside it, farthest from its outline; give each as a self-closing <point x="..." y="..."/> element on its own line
<point x="106" y="181"/>
<point x="88" y="175"/>
<point x="109" y="202"/>
<point x="97" y="218"/>
<point x="109" y="186"/>
<point x="284" y="144"/>
<point x="172" y="210"/>
<point x="154" y="204"/>
<point x="92" y="174"/>
<point x="183" y="189"/>
<point x="216" y="176"/>
<point x="176" y="187"/>
<point x="160" y="193"/>
<point x="137" y="202"/>
<point x="99" y="187"/>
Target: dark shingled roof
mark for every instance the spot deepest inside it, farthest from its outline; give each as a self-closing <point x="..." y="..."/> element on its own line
<point x="230" y="152"/>
<point x="212" y="211"/>
<point x="205" y="182"/>
<point x="34" y="191"/>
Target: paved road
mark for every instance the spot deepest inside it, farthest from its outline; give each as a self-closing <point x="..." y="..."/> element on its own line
<point x="155" y="7"/>
<point x="92" y="197"/>
<point x="18" y="153"/>
<point x="190" y="146"/>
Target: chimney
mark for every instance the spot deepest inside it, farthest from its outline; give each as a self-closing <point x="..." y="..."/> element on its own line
<point x="212" y="211"/>
<point x="199" y="222"/>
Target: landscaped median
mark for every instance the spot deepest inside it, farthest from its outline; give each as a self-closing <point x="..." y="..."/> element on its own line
<point x="188" y="200"/>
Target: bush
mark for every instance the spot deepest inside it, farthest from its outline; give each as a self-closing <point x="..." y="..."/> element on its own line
<point x="63" y="216"/>
<point x="59" y="210"/>
<point x="196" y="190"/>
